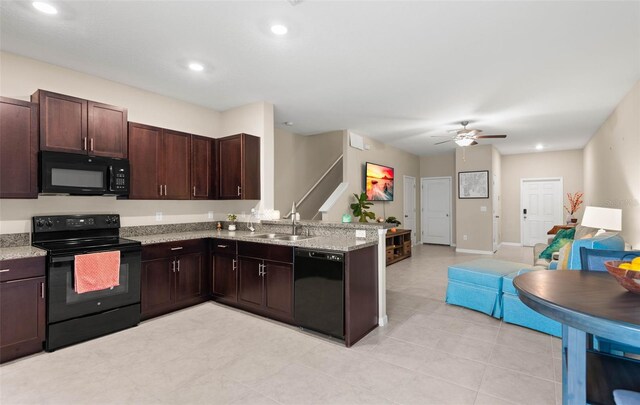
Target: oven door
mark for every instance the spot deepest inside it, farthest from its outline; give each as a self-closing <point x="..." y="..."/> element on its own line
<point x="64" y="303"/>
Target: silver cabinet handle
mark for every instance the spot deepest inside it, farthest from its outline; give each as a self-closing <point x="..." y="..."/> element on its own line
<point x="177" y="248"/>
<point x="178" y="265"/>
<point x="239" y="188"/>
<point x="91" y="142"/>
<point x="160" y="189"/>
<point x="194" y="191"/>
<point x="234" y="265"/>
<point x="41" y="290"/>
<point x="84" y="143"/>
<point x="173" y="266"/>
<point x="165" y="190"/>
<point x="4" y="270"/>
<point x="223" y="246"/>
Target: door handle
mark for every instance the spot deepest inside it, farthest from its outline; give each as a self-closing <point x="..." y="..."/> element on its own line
<point x="84" y="143"/>
<point x="524" y="211"/>
<point x="239" y="188"/>
<point x="194" y="191"/>
<point x="41" y="290"/>
<point x="4" y="270"/>
<point x="165" y="190"/>
<point x="91" y="143"/>
<point x="223" y="246"/>
<point x="234" y="265"/>
<point x="178" y="265"/>
<point x="173" y="266"/>
<point x="177" y="248"/>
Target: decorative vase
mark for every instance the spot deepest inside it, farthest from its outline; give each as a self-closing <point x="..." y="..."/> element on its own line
<point x="232" y="227"/>
<point x="574" y="220"/>
<point x="571" y="219"/>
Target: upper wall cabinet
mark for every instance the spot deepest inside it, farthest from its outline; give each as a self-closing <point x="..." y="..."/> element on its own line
<point x="202" y="168"/>
<point x="18" y="149"/>
<point x="74" y="125"/>
<point x="238" y="161"/>
<point x="160" y="163"/>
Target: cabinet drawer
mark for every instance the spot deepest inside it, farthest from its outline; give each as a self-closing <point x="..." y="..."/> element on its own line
<point x="16" y="269"/>
<point x="224" y="246"/>
<point x="265" y="251"/>
<point x="170" y="249"/>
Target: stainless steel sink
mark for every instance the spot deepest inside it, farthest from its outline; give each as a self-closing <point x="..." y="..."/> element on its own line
<point x="281" y="236"/>
<point x="293" y="237"/>
<point x="268" y="236"/>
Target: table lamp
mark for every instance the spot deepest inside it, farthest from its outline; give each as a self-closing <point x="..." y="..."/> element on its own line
<point x="602" y="218"/>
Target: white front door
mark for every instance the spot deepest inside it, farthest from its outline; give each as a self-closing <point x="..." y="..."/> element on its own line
<point x="410" y="206"/>
<point x="540" y="208"/>
<point x="497" y="207"/>
<point x="436" y="210"/>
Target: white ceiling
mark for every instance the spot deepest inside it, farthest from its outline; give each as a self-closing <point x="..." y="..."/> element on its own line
<point x="396" y="71"/>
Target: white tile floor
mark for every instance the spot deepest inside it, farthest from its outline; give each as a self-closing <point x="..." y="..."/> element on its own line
<point x="430" y="353"/>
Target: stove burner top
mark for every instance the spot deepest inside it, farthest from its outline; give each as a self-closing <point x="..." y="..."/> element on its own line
<point x="77" y="245"/>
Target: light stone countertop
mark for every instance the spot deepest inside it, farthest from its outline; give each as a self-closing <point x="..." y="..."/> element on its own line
<point x="20" y="252"/>
<point x="340" y="243"/>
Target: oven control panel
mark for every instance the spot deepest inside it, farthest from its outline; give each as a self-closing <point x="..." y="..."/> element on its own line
<point x="56" y="223"/>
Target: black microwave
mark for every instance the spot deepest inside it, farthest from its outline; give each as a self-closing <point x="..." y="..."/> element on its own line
<point x="69" y="173"/>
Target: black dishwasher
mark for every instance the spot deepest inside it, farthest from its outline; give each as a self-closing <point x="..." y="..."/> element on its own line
<point x="319" y="291"/>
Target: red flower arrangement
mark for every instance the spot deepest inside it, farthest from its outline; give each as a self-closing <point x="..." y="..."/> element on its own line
<point x="575" y="201"/>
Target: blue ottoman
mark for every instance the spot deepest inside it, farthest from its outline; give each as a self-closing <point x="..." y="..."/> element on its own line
<point x="478" y="284"/>
<point x="514" y="311"/>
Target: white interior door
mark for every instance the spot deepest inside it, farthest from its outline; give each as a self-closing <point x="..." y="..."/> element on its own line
<point x="436" y="210"/>
<point x="540" y="208"/>
<point x="410" y="206"/>
<point x="496" y="209"/>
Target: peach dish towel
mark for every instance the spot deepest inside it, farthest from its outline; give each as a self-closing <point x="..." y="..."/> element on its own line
<point x="96" y="271"/>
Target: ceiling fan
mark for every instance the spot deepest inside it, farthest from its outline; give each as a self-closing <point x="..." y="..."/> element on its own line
<point x="467" y="137"/>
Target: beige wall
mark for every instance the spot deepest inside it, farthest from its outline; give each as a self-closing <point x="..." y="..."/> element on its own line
<point x="20" y="77"/>
<point x="442" y="165"/>
<point x="612" y="165"/>
<point x="299" y="163"/>
<point x="565" y="164"/>
<point x="404" y="163"/>
<point x="472" y="221"/>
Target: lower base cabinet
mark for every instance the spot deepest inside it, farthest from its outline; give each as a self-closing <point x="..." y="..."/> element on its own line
<point x="266" y="286"/>
<point x="22" y="307"/>
<point x="174" y="276"/>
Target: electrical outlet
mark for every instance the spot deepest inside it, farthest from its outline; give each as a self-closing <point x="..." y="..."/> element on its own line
<point x="210" y="214"/>
<point x="483" y="208"/>
<point x="361" y="233"/>
<point x="464" y="237"/>
<point x="158" y="216"/>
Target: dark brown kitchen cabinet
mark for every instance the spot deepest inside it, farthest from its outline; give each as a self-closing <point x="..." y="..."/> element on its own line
<point x="174" y="276"/>
<point x="238" y="167"/>
<point x="18" y="149"/>
<point x="202" y="168"/>
<point x="75" y="125"/>
<point x="265" y="279"/>
<point x="225" y="270"/>
<point x="22" y="303"/>
<point x="160" y="163"/>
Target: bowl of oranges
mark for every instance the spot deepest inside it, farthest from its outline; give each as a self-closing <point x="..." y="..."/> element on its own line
<point x="627" y="273"/>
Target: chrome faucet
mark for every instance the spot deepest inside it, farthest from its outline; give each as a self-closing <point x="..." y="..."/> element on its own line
<point x="293" y="218"/>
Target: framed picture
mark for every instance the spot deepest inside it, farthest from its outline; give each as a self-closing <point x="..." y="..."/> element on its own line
<point x="473" y="184"/>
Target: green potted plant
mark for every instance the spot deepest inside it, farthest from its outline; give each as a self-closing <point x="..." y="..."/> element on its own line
<point x="360" y="208"/>
<point x="393" y="220"/>
<point x="232" y="219"/>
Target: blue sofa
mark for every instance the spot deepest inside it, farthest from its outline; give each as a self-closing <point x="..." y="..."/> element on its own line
<point x="515" y="312"/>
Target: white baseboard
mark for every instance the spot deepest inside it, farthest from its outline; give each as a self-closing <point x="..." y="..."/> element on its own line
<point x="478" y="252"/>
<point x="383" y="320"/>
<point x="511" y="244"/>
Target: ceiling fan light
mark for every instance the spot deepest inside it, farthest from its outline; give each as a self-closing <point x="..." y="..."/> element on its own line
<point x="464" y="141"/>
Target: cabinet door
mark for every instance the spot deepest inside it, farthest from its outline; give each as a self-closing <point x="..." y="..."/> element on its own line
<point x="190" y="277"/>
<point x="225" y="277"/>
<point x="278" y="288"/>
<point x="176" y="151"/>
<point x="144" y="159"/>
<point x="18" y="149"/>
<point x="250" y="282"/>
<point x="107" y="130"/>
<point x="201" y="168"/>
<point x="63" y="122"/>
<point x="250" y="189"/>
<point x="157" y="286"/>
<point x="22" y="320"/>
<point x="229" y="161"/>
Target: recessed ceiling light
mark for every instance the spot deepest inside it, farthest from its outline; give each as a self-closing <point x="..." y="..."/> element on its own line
<point x="539" y="146"/>
<point x="279" y="29"/>
<point x="44" y="7"/>
<point x="196" y="67"/>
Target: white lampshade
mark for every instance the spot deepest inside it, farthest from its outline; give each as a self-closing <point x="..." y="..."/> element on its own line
<point x="602" y="218"/>
<point x="464" y="141"/>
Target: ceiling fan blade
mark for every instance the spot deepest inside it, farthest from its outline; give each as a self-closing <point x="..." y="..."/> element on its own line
<point x="441" y="136"/>
<point x="438" y="143"/>
<point x="473" y="143"/>
<point x="490" y="136"/>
